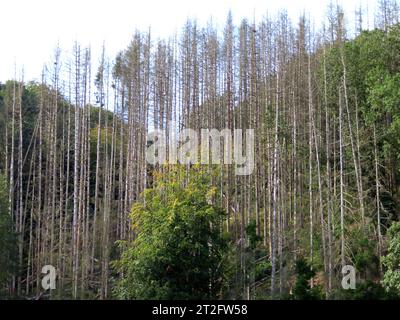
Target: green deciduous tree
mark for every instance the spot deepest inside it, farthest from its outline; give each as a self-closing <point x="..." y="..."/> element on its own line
<point x="179" y="249"/>
<point x="391" y="279"/>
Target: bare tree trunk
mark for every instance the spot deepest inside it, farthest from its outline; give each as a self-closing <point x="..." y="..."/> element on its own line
<point x="275" y="190"/>
<point x="19" y="224"/>
<point x="328" y="178"/>
<point x="341" y="174"/>
<point x="378" y="201"/>
<point x="77" y="140"/>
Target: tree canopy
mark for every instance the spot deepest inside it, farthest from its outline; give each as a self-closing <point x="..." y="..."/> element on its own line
<point x="179" y="251"/>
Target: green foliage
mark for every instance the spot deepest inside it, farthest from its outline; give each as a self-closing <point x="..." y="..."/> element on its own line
<point x="367" y="290"/>
<point x="8" y="240"/>
<point x="391" y="279"/>
<point x="258" y="267"/>
<point x="377" y="70"/>
<point x="363" y="253"/>
<point x="251" y="233"/>
<point x="262" y="270"/>
<point x="373" y="78"/>
<point x="179" y="251"/>
<point x="302" y="289"/>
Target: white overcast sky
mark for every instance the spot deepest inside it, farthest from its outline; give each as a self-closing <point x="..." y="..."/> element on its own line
<point x="31" y="29"/>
